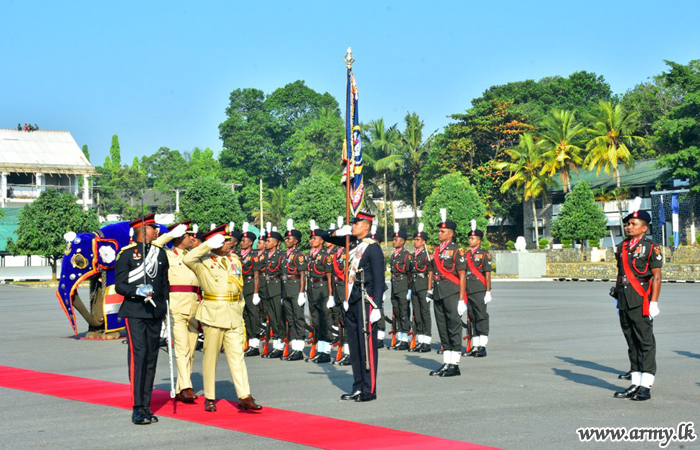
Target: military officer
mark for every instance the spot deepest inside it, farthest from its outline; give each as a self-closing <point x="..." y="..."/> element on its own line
<point x="259" y="265"/>
<point x="362" y="311"/>
<point x="421" y="276"/>
<point x="251" y="285"/>
<point x="141" y="276"/>
<point x="450" y="295"/>
<point x="185" y="294"/>
<point x="221" y="314"/>
<point x="637" y="292"/>
<point x="294" y="278"/>
<point x="381" y="323"/>
<point x="400" y="266"/>
<point x="478" y="292"/>
<point x="338" y="261"/>
<point x="274" y="269"/>
<point x="321" y="300"/>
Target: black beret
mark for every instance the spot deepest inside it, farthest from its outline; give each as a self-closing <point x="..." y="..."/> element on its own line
<point x="478" y="233"/>
<point x="422" y="234"/>
<point x="641" y="215"/>
<point x="293" y="233"/>
<point x="450" y="225"/>
<point x="402" y="234"/>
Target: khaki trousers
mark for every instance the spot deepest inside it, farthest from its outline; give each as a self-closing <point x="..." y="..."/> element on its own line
<point x="232" y="339"/>
<point x="185" y="343"/>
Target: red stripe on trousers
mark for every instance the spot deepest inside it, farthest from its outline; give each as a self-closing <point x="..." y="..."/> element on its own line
<point x="131" y="360"/>
<point x="371" y="355"/>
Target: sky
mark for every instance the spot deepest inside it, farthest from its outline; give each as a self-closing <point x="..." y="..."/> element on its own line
<point x="159" y="73"/>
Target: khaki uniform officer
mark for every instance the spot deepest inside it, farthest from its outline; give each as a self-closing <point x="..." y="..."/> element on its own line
<point x="221" y="314"/>
<point x="184" y="299"/>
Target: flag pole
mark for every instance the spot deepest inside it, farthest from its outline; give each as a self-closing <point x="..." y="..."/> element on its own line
<point x="349" y="59"/>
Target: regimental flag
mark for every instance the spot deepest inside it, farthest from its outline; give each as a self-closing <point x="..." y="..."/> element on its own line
<point x="662" y="213"/>
<point x="352" y="147"/>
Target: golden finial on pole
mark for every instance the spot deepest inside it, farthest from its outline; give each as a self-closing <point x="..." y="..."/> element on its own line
<point x="349" y="59"/>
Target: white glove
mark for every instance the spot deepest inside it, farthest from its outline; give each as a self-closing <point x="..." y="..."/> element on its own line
<point x="179" y="231"/>
<point x="144" y="290"/>
<point x="331" y="302"/>
<point x="346" y="305"/>
<point x="487" y="297"/>
<point x="654" y="309"/>
<point x="216" y="241"/>
<point x="256" y="299"/>
<point x="302" y="299"/>
<point x="429" y="296"/>
<point x="461" y="307"/>
<point x="408" y="295"/>
<point x="345" y="230"/>
<point x="375" y="315"/>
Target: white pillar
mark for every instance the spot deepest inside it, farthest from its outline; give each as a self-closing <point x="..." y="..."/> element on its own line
<point x="3" y="187"/>
<point x="177" y="200"/>
<point x="39" y="183"/>
<point x="76" y="188"/>
<point x="86" y="191"/>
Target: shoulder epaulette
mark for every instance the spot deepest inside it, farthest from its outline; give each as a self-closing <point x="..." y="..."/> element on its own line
<point x="133" y="244"/>
<point x="156" y="245"/>
<point x="368" y="241"/>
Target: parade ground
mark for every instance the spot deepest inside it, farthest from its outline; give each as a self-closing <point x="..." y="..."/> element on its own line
<point x="554" y="353"/>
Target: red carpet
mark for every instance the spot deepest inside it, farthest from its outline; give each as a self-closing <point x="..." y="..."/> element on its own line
<point x="272" y="423"/>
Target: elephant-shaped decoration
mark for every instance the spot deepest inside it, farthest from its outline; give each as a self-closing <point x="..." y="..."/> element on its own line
<point x="92" y="256"/>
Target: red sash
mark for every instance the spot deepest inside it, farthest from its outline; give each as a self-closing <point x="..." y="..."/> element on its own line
<point x="340" y="273"/>
<point x="449" y="275"/>
<point x="476" y="272"/>
<point x="634" y="282"/>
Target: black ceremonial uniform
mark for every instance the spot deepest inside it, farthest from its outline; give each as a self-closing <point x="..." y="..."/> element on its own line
<point x="633" y="295"/>
<point x="274" y="269"/>
<point x="251" y="312"/>
<point x="400" y="279"/>
<point x="450" y="259"/>
<point x="143" y="320"/>
<point x="371" y="265"/>
<point x="319" y="272"/>
<point x="421" y="267"/>
<point x="293" y="266"/>
<point x="478" y="263"/>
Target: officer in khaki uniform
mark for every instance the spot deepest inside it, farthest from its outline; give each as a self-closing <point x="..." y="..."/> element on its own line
<point x="185" y="294"/>
<point x="221" y="314"/>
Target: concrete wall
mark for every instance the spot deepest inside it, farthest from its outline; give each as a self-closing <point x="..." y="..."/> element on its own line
<point x="609" y="270"/>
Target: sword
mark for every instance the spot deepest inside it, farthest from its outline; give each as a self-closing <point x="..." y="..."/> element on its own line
<point x="170" y="348"/>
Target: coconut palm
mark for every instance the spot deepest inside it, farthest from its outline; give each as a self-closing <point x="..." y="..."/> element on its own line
<point x="273" y="210"/>
<point x="560" y="138"/>
<point x="526" y="173"/>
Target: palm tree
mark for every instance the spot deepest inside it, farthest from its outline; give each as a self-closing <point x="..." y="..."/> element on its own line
<point x="410" y="156"/>
<point x="273" y="209"/>
<point x="613" y="131"/>
<point x="526" y="173"/>
<point x="560" y="138"/>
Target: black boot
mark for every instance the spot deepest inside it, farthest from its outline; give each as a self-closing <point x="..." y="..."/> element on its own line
<point x="138" y="417"/>
<point x="625" y="376"/>
<point x="296" y="355"/>
<point x="451" y="371"/>
<point x="323" y="358"/>
<point x="627" y="393"/>
<point x="480" y="352"/>
<point x="403" y="346"/>
<point x="252" y="351"/>
<point x="643" y="393"/>
<point x="147" y="412"/>
<point x="425" y="348"/>
<point x="438" y="373"/>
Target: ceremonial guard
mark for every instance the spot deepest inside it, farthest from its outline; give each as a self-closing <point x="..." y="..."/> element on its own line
<point x="185" y="295"/>
<point x="274" y="270"/>
<point x="450" y="298"/>
<point x="294" y="292"/>
<point x="637" y="291"/>
<point x="400" y="267"/>
<point x="340" y="331"/>
<point x="381" y="323"/>
<point x="221" y="314"/>
<point x="421" y="277"/>
<point x="321" y="300"/>
<point x="235" y="238"/>
<point x="362" y="311"/>
<point x="259" y="265"/>
<point x="251" y="286"/>
<point x="141" y="276"/>
<point x="478" y="292"/>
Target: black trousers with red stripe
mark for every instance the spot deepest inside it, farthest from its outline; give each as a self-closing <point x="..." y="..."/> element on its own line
<point x="364" y="380"/>
<point x="143" y="336"/>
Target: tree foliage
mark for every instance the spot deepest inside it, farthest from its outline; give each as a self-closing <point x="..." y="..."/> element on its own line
<point x="208" y="201"/>
<point x="580" y="217"/>
<point x="316" y="197"/>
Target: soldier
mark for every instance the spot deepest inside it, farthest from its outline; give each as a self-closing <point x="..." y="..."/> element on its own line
<point x="321" y="300"/>
<point x="141" y="276"/>
<point x="251" y="286"/>
<point x="421" y="278"/>
<point x="274" y="269"/>
<point x="637" y="292"/>
<point x="478" y="292"/>
<point x="363" y="308"/>
<point x="259" y="265"/>
<point x="450" y="300"/>
<point x="400" y="266"/>
<point x="235" y="238"/>
<point x="381" y="323"/>
<point x="339" y="330"/>
<point x="185" y="294"/>
<point x="221" y="314"/>
<point x="294" y="292"/>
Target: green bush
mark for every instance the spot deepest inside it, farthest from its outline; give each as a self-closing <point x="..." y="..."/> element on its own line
<point x="697" y="239"/>
<point x="510" y="245"/>
<point x="486" y="245"/>
<point x="566" y="243"/>
<point x="544" y="243"/>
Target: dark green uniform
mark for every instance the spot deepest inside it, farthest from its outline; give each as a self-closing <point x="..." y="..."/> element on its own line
<point x="251" y="313"/>
<point x="478" y="263"/>
<point x="421" y="267"/>
<point x="319" y="270"/>
<point x="400" y="264"/>
<point x="294" y="266"/>
<point x="446" y="294"/>
<point x="274" y="268"/>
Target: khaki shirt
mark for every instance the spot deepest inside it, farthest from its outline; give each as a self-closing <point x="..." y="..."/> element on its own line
<point x="217" y="275"/>
<point x="179" y="275"/>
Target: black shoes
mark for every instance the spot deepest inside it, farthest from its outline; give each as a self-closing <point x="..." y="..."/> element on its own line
<point x="296" y="355"/>
<point x="252" y="351"/>
<point x="380" y="343"/>
<point x="344" y="361"/>
<point x="471" y="352"/>
<point x="643" y="393"/>
<point x="275" y="353"/>
<point x="315" y="358"/>
<point x="140" y="417"/>
<point x="480" y="352"/>
<point x="452" y="370"/>
<point x="625" y="376"/>
<point x="436" y="373"/>
<point x="627" y="393"/>
<point x="323" y="358"/>
<point x="424" y="348"/>
<point x="402" y="346"/>
<point x="365" y="397"/>
<point x="147" y="411"/>
<point x="352" y="396"/>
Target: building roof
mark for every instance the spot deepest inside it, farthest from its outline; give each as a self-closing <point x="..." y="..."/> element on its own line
<point x="42" y="151"/>
<point x="642" y="173"/>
